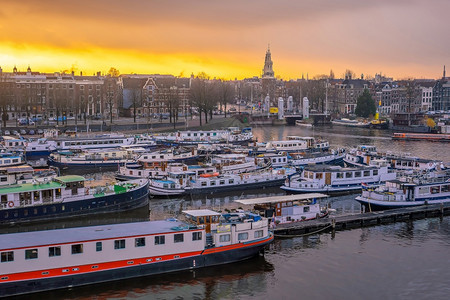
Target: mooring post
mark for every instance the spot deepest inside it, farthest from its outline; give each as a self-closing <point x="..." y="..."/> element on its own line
<point x="333" y="223"/>
<point x="442" y="208"/>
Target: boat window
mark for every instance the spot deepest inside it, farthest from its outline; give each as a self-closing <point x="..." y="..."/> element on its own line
<point x="77" y="249"/>
<point x="424" y="190"/>
<point x="243" y="236"/>
<point x="358" y="174"/>
<point x="98" y="246"/>
<point x="319" y="175"/>
<point x="139" y="242"/>
<point x="160" y="240"/>
<point x="203" y="183"/>
<point x="31" y="254"/>
<point x="306" y="209"/>
<point x="119" y="244"/>
<point x="196" y="236"/>
<point x="7" y="256"/>
<point x="445" y="188"/>
<point x="375" y="172"/>
<point x="259" y="234"/>
<point x="224" y="238"/>
<point x="348" y="175"/>
<point x="54" y="251"/>
<point x="366" y="173"/>
<point x="178" y="238"/>
<point x="339" y="175"/>
<point x="222" y="182"/>
<point x="212" y="183"/>
<point x="435" y="189"/>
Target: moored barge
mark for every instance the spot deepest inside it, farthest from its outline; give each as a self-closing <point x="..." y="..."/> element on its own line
<point x="55" y="259"/>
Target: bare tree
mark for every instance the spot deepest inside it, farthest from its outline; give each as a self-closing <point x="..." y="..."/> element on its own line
<point x="226" y="94"/>
<point x="136" y="97"/>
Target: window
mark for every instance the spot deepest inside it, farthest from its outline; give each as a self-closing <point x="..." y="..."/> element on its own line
<point x="31" y="254"/>
<point x="54" y="251"/>
<point x="119" y="244"/>
<point x="259" y="233"/>
<point x="139" y="242"/>
<point x="196" y="236"/>
<point x="98" y="246"/>
<point x="243" y="236"/>
<point x="348" y="175"/>
<point x="178" y="238"/>
<point x="339" y="175"/>
<point x="160" y="240"/>
<point x="77" y="249"/>
<point x="7" y="256"/>
<point x="305" y="209"/>
<point x="375" y="172"/>
<point x="358" y="174"/>
<point x="366" y="173"/>
<point x="224" y="238"/>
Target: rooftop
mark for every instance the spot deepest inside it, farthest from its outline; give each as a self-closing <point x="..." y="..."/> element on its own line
<point x="70" y="178"/>
<point x="84" y="234"/>
<point x="277" y="199"/>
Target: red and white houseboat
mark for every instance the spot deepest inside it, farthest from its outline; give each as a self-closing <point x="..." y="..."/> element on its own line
<point x="55" y="259"/>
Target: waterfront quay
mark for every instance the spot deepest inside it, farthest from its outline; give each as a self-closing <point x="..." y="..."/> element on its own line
<point x="346" y="222"/>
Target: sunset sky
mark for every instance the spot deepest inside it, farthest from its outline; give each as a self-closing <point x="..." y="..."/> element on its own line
<point x="228" y="39"/>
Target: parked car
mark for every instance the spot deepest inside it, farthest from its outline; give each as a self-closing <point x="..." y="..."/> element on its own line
<point x="14" y="132"/>
<point x="23" y="131"/>
<point x="40" y="131"/>
<point x="31" y="132"/>
<point x="7" y="132"/>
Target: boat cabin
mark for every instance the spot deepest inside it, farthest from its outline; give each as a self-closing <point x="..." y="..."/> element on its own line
<point x="202" y="217"/>
<point x="285" y="209"/>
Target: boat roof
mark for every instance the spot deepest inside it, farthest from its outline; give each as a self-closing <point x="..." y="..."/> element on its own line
<point x="17" y="169"/>
<point x="201" y="213"/>
<point x="84" y="234"/>
<point x="70" y="178"/>
<point x="277" y="199"/>
<point x="29" y="187"/>
<point x="329" y="168"/>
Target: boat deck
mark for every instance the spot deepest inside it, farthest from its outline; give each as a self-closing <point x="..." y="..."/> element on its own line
<point x="362" y="220"/>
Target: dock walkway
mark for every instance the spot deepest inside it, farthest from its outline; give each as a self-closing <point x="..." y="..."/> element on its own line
<point x="361" y="220"/>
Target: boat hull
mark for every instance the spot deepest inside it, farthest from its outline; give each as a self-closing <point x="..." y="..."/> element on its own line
<point x="345" y="190"/>
<point x="376" y="205"/>
<point x="241" y="186"/>
<point x="207" y="258"/>
<point x="93" y="205"/>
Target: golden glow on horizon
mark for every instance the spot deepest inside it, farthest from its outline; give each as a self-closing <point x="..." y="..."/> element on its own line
<point x="180" y="38"/>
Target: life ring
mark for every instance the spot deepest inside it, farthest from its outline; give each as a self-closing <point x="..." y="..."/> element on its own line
<point x="10" y="204"/>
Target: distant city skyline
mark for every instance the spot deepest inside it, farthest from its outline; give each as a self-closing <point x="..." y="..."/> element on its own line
<point x="227" y="40"/>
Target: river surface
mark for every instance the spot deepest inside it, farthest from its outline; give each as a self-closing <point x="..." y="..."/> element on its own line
<point x="406" y="260"/>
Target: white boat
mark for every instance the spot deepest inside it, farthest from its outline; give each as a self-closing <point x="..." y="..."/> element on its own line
<point x="350" y="123"/>
<point x="25" y="174"/>
<point x="189" y="137"/>
<point x="235" y="163"/>
<point x="288" y="209"/>
<point x="303" y="159"/>
<point x="179" y="154"/>
<point x="41" y="147"/>
<point x="8" y="159"/>
<point x="363" y="155"/>
<point x="303" y="123"/>
<point x="337" y="180"/>
<point x="67" y="258"/>
<point x="177" y="183"/>
<point x="93" y="142"/>
<point x="407" y="192"/>
<point x="92" y="158"/>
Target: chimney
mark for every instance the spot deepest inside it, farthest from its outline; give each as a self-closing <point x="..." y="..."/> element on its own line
<point x="99" y="74"/>
<point x="81" y="73"/>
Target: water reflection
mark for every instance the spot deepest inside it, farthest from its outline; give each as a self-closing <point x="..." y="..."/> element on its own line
<point x="220" y="282"/>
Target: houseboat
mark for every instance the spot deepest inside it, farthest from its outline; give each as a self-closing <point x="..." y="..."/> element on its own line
<point x="25" y="174"/>
<point x="350" y="123"/>
<point x="288" y="209"/>
<point x="94" y="142"/>
<point x="66" y="196"/>
<point x="66" y="258"/>
<point x="91" y="158"/>
<point x="306" y="158"/>
<point x="406" y="192"/>
<point x="178" y="154"/>
<point x="189" y="137"/>
<point x="8" y="159"/>
<point x="337" y="180"/>
<point x="178" y="183"/>
<point x="41" y="147"/>
<point x="363" y="155"/>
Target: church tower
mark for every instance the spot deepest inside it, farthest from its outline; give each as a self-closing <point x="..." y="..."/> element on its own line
<point x="268" y="65"/>
<point x="268" y="81"/>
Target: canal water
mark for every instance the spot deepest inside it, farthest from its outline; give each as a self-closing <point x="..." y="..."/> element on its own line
<point x="398" y="261"/>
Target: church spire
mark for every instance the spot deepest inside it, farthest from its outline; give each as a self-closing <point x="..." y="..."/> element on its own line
<point x="268" y="64"/>
<point x="443" y="75"/>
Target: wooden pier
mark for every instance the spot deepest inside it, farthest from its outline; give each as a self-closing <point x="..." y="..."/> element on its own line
<point x="361" y="220"/>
